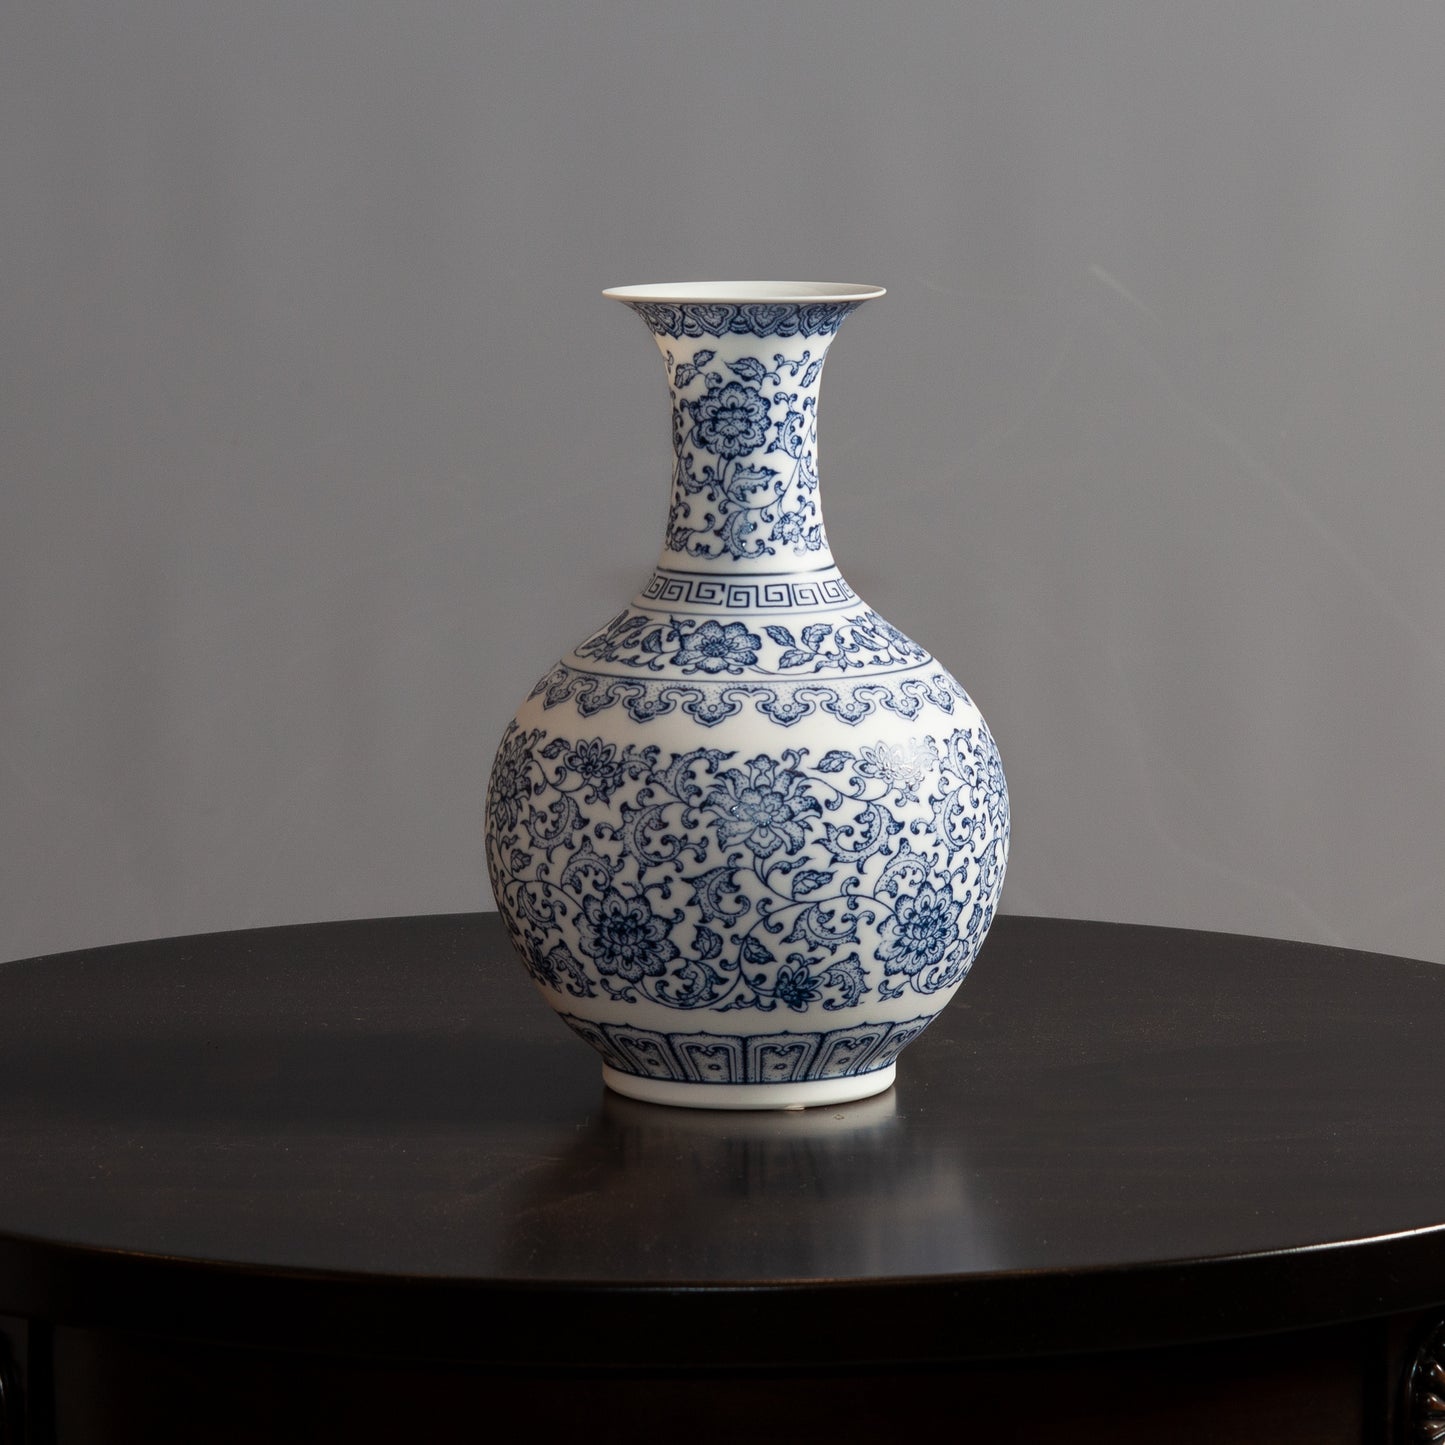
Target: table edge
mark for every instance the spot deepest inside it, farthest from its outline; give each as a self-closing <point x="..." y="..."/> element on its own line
<point x="650" y="1324"/>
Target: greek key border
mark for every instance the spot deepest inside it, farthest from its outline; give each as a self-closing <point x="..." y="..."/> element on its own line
<point x="730" y="595"/>
<point x="788" y="1057"/>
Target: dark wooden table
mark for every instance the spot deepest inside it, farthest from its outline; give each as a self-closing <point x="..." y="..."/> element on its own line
<point x="354" y="1181"/>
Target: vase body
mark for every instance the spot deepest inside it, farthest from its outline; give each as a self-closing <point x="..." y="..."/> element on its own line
<point x="747" y="837"/>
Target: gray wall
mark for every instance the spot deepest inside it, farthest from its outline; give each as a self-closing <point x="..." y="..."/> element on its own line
<point x="319" y="444"/>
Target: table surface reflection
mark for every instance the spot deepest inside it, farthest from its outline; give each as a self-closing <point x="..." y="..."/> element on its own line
<point x="1162" y="1133"/>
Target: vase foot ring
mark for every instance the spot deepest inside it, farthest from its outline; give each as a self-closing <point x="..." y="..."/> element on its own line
<point x="806" y="1094"/>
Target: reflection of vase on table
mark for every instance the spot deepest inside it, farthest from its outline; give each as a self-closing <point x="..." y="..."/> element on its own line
<point x="748" y="837"/>
<point x="846" y="1192"/>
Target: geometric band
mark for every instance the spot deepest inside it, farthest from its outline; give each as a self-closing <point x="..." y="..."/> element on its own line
<point x="781" y="1058"/>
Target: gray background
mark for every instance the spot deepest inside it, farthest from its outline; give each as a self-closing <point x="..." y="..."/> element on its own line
<point x="319" y="444"/>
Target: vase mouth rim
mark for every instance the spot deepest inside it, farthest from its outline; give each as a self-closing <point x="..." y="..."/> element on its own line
<point x="738" y="293"/>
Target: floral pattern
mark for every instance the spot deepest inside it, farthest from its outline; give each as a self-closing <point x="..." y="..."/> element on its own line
<point x="598" y="765"/>
<point x="796" y="987"/>
<point x="731" y="419"/>
<point x="510" y="785"/>
<point x="707" y="879"/>
<point x="920" y="931"/>
<point x="745" y="473"/>
<point x="902" y="766"/>
<point x="624" y="938"/>
<point x="763" y="808"/>
<point x="654" y="642"/>
<point x="715" y="647"/>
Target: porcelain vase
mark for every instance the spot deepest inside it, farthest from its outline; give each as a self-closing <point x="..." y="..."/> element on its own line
<point x="747" y="837"/>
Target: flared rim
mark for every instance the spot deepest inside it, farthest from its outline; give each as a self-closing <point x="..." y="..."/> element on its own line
<point x="741" y="293"/>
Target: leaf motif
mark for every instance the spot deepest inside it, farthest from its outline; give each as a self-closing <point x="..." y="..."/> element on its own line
<point x="639" y="762"/>
<point x="848" y="977"/>
<point x="705" y="943"/>
<point x="834" y="761"/>
<point x="532" y="903"/>
<point x="809" y="880"/>
<point x="643" y="833"/>
<point x="585" y="862"/>
<point x="563" y="971"/>
<point x="692" y="983"/>
<point x="780" y="635"/>
<point x="755" y="952"/>
<point x="811" y="374"/>
<point x="653" y="641"/>
<point x="701" y="358"/>
<point x="560" y="821"/>
<point x="736" y="534"/>
<point x="906" y="868"/>
<point x="684" y="375"/>
<point x="748" y="367"/>
<point x="750" y="481"/>
<point x="815" y="925"/>
<point x="556" y="748"/>
<point x="794" y="657"/>
<point x="677" y="777"/>
<point x="814" y="635"/>
<point x="709" y="892"/>
<point x="871" y="830"/>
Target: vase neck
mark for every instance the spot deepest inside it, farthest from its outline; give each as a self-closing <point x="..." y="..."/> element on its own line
<point x="744" y="379"/>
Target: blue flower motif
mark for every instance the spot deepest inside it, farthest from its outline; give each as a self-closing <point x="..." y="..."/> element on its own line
<point x="511" y="781"/>
<point x="623" y="938"/>
<point x="877" y="634"/>
<point x="901" y="768"/>
<point x="718" y="648"/>
<point x="991" y="785"/>
<point x="920" y="931"/>
<point x="763" y="808"/>
<point x="597" y="764"/>
<point x="796" y="987"/>
<point x="730" y="421"/>
<point x="788" y="528"/>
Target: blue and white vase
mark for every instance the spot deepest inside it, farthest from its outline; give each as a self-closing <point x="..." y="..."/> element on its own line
<point x="747" y="837"/>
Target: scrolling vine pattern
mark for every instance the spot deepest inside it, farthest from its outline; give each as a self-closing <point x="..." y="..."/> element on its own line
<point x="705" y="879"/>
<point x="654" y="643"/>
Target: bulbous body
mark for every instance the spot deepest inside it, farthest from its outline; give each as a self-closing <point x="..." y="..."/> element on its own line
<point x="747" y="837"/>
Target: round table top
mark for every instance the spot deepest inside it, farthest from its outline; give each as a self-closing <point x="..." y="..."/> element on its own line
<point x="376" y="1135"/>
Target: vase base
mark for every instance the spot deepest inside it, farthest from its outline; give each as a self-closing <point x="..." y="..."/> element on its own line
<point x="805" y="1094"/>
